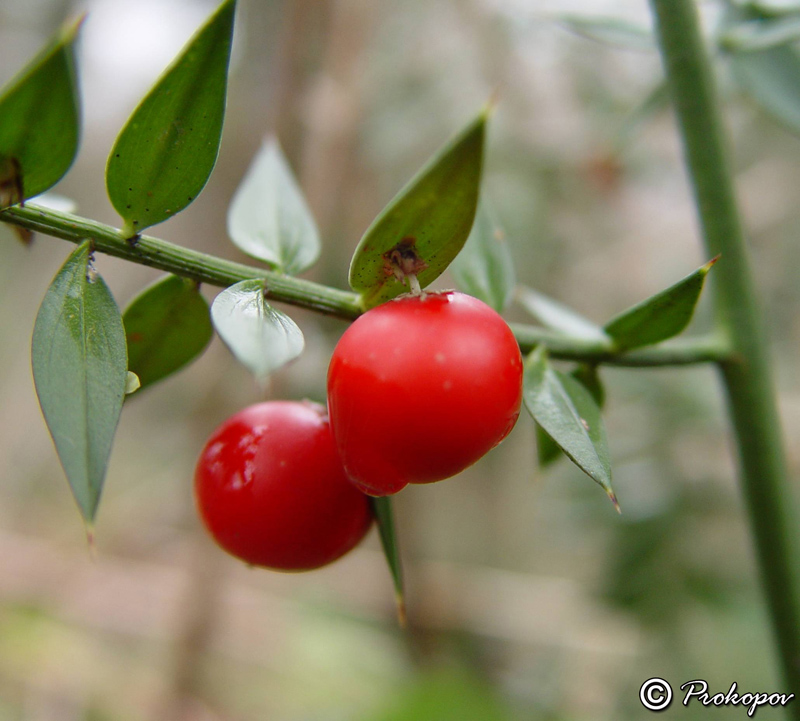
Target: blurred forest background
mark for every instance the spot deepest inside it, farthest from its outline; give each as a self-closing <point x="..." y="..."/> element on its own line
<point x="528" y="596"/>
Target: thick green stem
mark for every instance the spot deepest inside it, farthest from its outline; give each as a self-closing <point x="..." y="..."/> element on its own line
<point x="342" y="304"/>
<point x="750" y="392"/>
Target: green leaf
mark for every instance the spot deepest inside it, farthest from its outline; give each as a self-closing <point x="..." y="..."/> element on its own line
<point x="547" y="449"/>
<point x="609" y="30"/>
<point x="587" y="375"/>
<point x="484" y="267"/>
<point x="772" y="79"/>
<point x="262" y="338"/>
<point x="558" y="317"/>
<point x="656" y="101"/>
<point x="165" y="153"/>
<point x="80" y="372"/>
<point x="40" y="122"/>
<point x="426" y="224"/>
<point x="661" y="316"/>
<point x="166" y="326"/>
<point x="269" y="218"/>
<point x="567" y="412"/>
<point x="384" y="517"/>
<point x="760" y="34"/>
<point x="775" y="8"/>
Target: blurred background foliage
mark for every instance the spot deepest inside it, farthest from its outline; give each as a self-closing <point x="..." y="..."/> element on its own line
<point x="528" y="597"/>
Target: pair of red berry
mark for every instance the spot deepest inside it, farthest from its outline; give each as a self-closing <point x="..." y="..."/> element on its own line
<point x="419" y="388"/>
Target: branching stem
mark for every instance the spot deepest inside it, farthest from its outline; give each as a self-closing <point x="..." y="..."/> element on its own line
<point x="205" y="268"/>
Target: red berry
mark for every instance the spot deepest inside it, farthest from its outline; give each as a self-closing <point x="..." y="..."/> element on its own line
<point x="271" y="490"/>
<point x="421" y="387"/>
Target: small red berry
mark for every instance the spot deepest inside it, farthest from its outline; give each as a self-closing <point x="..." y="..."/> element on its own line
<point x="421" y="387"/>
<point x="271" y="490"/>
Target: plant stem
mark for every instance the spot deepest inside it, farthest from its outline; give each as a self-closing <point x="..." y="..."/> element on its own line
<point x="331" y="301"/>
<point x="185" y="262"/>
<point x="750" y="392"/>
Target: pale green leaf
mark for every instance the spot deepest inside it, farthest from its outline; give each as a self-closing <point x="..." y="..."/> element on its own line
<point x="268" y="217"/>
<point x="484" y="267"/>
<point x="262" y="338"/>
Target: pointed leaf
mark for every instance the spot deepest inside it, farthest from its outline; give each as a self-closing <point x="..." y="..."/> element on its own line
<point x="772" y="78"/>
<point x="587" y="375"/>
<point x="570" y="416"/>
<point x="162" y="158"/>
<point x="384" y="516"/>
<point x="662" y="316"/>
<point x="484" y="267"/>
<point x="269" y="218"/>
<point x="261" y="338"/>
<point x="609" y="30"/>
<point x="558" y="317"/>
<point x="40" y="122"/>
<point x="547" y="449"/>
<point x="653" y="103"/>
<point x="427" y="223"/>
<point x="166" y="326"/>
<point x="760" y="34"/>
<point x="775" y="8"/>
<point x="79" y="368"/>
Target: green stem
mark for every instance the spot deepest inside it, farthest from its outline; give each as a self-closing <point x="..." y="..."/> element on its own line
<point x="684" y="351"/>
<point x="183" y="261"/>
<point x="751" y="396"/>
<point x="342" y="304"/>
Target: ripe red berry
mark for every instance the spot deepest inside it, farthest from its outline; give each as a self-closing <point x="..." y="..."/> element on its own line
<point x="271" y="490"/>
<point x="421" y="387"/>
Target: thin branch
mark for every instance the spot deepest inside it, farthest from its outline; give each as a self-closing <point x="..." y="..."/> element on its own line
<point x="210" y="269"/>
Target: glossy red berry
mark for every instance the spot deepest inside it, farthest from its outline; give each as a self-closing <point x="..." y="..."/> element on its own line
<point x="271" y="490"/>
<point x="421" y="387"/>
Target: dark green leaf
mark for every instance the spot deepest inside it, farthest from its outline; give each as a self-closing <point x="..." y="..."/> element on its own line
<point x="384" y="517"/>
<point x="79" y="367"/>
<point x="774" y="8"/>
<point x="40" y="122"/>
<point x="426" y="224"/>
<point x="587" y="375"/>
<point x="558" y="317"/>
<point x="167" y="326"/>
<point x="484" y="267"/>
<point x="167" y="149"/>
<point x="612" y="31"/>
<point x="661" y="316"/>
<point x="268" y="217"/>
<point x="547" y="450"/>
<point x="568" y="413"/>
<point x="262" y="338"/>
